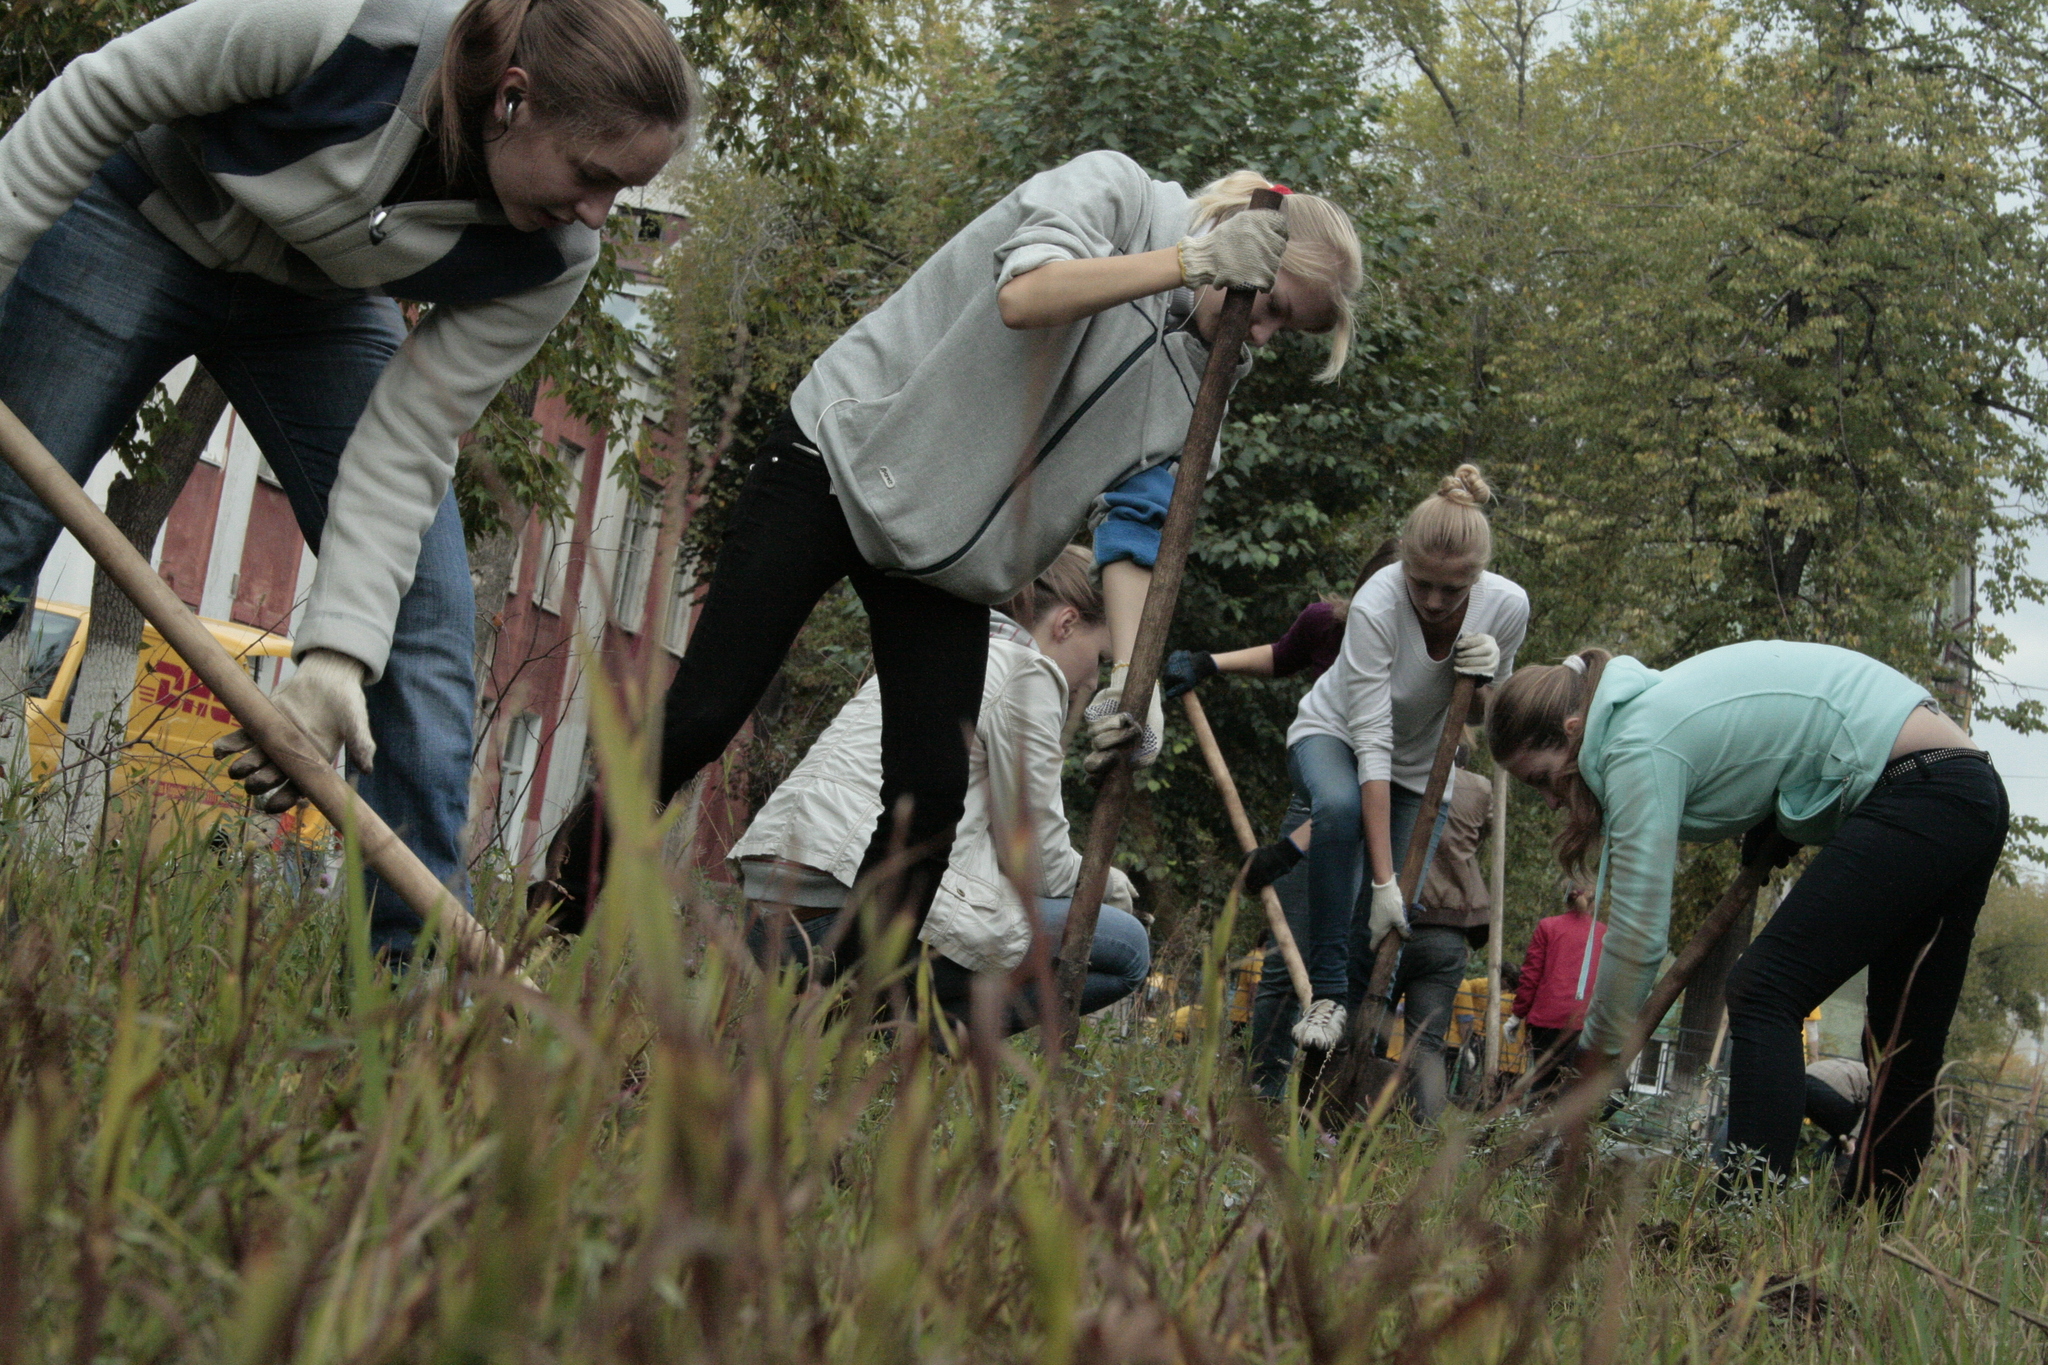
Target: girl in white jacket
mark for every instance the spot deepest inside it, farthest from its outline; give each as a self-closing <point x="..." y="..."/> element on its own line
<point x="1361" y="746"/>
<point x="256" y="182"/>
<point x="800" y="856"/>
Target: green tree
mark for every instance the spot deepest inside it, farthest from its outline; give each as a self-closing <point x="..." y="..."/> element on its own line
<point x="1747" y="304"/>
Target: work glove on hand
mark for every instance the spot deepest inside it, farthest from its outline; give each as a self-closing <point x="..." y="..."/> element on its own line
<point x="1763" y="837"/>
<point x="1477" y="654"/>
<point x="1243" y="252"/>
<point x="325" y="697"/>
<point x="1120" y="893"/>
<point x="1268" y="863"/>
<point x="1387" y="912"/>
<point x="1110" y="727"/>
<point x="1184" y="672"/>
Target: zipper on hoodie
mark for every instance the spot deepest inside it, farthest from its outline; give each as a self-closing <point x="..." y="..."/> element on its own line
<point x="1044" y="453"/>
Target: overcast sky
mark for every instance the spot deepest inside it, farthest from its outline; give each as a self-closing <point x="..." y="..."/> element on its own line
<point x="2023" y="759"/>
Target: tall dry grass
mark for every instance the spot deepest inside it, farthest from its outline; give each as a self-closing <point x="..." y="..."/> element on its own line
<point x="225" y="1136"/>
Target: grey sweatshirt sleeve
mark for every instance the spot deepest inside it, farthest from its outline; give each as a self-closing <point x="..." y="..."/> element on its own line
<point x="397" y="465"/>
<point x="1093" y="206"/>
<point x="208" y="56"/>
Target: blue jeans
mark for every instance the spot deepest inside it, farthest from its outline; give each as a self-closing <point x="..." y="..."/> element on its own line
<point x="1325" y="775"/>
<point x="1119" y="959"/>
<point x="101" y="309"/>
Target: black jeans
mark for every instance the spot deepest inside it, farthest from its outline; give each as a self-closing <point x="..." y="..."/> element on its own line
<point x="1897" y="890"/>
<point x="787" y="545"/>
<point x="1426" y="983"/>
<point x="1831" y="1111"/>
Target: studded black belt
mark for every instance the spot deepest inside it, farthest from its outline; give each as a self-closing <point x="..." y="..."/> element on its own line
<point x="1923" y="760"/>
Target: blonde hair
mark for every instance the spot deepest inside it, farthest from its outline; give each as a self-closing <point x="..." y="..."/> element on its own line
<point x="1322" y="248"/>
<point x="1070" y="580"/>
<point x="603" y="67"/>
<point x="1528" y="714"/>
<point x="1451" y="522"/>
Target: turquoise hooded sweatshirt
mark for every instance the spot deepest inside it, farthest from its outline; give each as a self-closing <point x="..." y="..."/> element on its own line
<point x="1703" y="750"/>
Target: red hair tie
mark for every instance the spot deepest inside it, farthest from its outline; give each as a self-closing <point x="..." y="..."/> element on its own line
<point x="1279" y="189"/>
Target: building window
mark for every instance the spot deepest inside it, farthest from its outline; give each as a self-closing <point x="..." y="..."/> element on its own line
<point x="636" y="556"/>
<point x="515" y="779"/>
<point x="556" y="537"/>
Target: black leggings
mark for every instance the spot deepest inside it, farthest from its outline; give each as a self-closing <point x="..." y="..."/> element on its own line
<point x="1897" y="890"/>
<point x="787" y="545"/>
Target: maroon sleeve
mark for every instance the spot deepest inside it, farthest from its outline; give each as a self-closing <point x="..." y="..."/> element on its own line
<point x="1311" y="643"/>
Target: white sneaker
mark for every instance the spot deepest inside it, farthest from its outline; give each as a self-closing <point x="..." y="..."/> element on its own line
<point x="1322" y="1027"/>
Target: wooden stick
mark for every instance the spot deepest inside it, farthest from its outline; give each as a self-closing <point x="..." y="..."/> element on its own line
<point x="1496" y="922"/>
<point x="1579" y="1103"/>
<point x="1921" y="1264"/>
<point x="1276" y="917"/>
<point x="275" y="733"/>
<point x="1377" y="993"/>
<point x="1174" y="541"/>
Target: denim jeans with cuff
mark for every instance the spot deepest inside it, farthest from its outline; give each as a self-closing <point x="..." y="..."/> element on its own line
<point x="101" y="309"/>
<point x="1326" y="789"/>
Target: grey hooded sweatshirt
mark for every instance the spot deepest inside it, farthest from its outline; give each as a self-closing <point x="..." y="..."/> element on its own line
<point x="966" y="453"/>
<point x="268" y="137"/>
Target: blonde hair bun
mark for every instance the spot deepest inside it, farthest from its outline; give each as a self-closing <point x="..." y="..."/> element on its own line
<point x="1451" y="522"/>
<point x="1466" y="485"/>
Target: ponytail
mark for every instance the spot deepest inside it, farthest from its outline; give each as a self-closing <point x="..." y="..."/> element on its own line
<point x="1070" y="580"/>
<point x="1528" y="713"/>
<point x="601" y="67"/>
<point x="1322" y="248"/>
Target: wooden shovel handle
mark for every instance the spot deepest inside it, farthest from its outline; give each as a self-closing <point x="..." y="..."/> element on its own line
<point x="1232" y="328"/>
<point x="1276" y="917"/>
<point x="275" y="733"/>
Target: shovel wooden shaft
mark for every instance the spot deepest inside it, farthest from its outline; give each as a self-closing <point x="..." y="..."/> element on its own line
<point x="1591" y="1088"/>
<point x="1232" y="328"/>
<point x="1389" y="951"/>
<point x="275" y="733"/>
<point x="1276" y="917"/>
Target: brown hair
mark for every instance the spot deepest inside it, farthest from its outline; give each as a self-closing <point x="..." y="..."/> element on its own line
<point x="1387" y="553"/>
<point x="601" y="66"/>
<point x="1451" y="522"/>
<point x="1528" y="713"/>
<point x="1070" y="581"/>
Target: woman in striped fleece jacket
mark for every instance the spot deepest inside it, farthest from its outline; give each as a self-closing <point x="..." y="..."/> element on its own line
<point x="255" y="183"/>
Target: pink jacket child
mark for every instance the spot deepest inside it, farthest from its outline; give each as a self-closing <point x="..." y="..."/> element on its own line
<point x="1550" y="995"/>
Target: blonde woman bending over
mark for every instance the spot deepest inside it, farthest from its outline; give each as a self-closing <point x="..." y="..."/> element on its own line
<point x="1360" y="748"/>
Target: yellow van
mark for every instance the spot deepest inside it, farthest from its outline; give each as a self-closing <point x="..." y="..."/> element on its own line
<point x="172" y="721"/>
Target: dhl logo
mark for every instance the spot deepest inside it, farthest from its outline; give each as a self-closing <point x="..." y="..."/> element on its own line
<point x="180" y="690"/>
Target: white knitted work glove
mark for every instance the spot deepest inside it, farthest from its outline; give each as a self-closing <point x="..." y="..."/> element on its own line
<point x="1477" y="654"/>
<point x="1241" y="252"/>
<point x="1387" y="912"/>
<point x="1120" y="892"/>
<point x="1110" y="727"/>
<point x="325" y="696"/>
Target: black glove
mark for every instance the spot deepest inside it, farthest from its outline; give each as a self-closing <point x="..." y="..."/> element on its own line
<point x="1269" y="863"/>
<point x="1185" y="671"/>
<point x="1763" y="838"/>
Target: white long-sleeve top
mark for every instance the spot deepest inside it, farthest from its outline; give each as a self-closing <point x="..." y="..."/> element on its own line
<point x="1385" y="696"/>
<point x="824" y="812"/>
